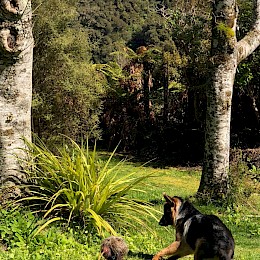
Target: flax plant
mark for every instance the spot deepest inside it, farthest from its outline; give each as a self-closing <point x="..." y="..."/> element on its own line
<point x="74" y="185"/>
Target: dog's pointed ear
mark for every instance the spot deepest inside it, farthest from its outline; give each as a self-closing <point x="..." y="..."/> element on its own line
<point x="168" y="198"/>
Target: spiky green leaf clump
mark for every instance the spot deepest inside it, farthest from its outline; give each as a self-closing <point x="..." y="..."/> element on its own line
<point x="75" y="186"/>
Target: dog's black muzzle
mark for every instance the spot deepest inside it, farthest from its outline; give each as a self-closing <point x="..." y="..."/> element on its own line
<point x="163" y="222"/>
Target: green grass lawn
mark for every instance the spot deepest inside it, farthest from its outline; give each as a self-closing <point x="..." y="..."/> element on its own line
<point x="57" y="243"/>
<point x="244" y="223"/>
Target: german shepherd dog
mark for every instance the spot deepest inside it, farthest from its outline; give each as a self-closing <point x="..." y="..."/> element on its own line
<point x="205" y="236"/>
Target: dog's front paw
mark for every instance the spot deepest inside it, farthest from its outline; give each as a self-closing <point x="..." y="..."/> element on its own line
<point x="157" y="257"/>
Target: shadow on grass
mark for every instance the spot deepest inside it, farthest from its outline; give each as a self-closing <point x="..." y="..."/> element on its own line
<point x="140" y="255"/>
<point x="157" y="201"/>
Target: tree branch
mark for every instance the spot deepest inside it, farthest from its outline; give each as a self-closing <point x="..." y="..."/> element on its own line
<point x="252" y="39"/>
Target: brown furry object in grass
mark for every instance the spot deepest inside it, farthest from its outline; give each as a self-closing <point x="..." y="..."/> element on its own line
<point x="114" y="248"/>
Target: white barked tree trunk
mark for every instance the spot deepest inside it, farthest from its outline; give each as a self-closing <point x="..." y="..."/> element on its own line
<point x="16" y="55"/>
<point x="226" y="53"/>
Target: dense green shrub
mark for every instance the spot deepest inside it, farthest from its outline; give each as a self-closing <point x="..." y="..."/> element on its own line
<point x="75" y="185"/>
<point x="67" y="89"/>
<point x="243" y="181"/>
<point x="16" y="227"/>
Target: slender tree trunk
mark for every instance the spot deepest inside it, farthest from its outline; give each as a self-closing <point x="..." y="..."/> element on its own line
<point x="226" y="55"/>
<point x="166" y="91"/>
<point x="146" y="89"/>
<point x="16" y="50"/>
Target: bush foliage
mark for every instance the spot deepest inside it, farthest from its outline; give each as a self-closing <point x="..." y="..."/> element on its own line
<point x="67" y="89"/>
<point x="75" y="185"/>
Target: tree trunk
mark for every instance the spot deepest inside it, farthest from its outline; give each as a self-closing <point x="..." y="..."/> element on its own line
<point x="146" y="90"/>
<point x="217" y="141"/>
<point x="166" y="91"/>
<point x="16" y="55"/>
<point x="225" y="56"/>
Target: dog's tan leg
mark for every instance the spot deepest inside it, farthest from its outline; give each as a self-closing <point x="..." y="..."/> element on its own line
<point x="176" y="249"/>
<point x="170" y="250"/>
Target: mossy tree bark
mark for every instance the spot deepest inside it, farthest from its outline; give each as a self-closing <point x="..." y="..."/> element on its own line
<point x="16" y="54"/>
<point x="226" y="53"/>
